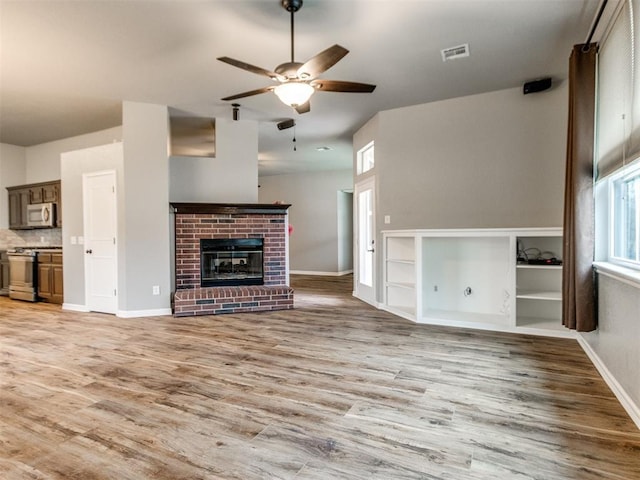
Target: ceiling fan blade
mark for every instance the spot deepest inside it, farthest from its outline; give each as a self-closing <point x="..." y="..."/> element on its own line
<point x="251" y="68"/>
<point x="321" y="62"/>
<point x="340" y="86"/>
<point x="304" y="108"/>
<point x="248" y="94"/>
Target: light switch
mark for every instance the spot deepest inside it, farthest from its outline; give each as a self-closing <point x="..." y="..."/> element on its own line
<point x="80" y="240"/>
<point x="387" y="219"/>
<point x="74" y="240"/>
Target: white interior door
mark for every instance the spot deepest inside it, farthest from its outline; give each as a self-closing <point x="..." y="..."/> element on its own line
<point x="365" y="271"/>
<point x="100" y="235"/>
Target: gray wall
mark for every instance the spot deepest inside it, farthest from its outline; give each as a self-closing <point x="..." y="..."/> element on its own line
<point x="43" y="161"/>
<point x="314" y="214"/>
<point x="490" y="160"/>
<point x="483" y="161"/>
<point x="345" y="231"/>
<point x="73" y="165"/>
<point x="143" y="183"/>
<point x="145" y="226"/>
<point x="230" y="177"/>
<point x="39" y="163"/>
<point x="616" y="342"/>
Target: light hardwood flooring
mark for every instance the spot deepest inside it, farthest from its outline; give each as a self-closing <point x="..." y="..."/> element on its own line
<point x="333" y="389"/>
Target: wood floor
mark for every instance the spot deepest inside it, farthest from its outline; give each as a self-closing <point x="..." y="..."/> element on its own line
<point x="333" y="389"/>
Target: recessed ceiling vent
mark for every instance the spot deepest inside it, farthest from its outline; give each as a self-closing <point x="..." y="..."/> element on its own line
<point x="455" y="52"/>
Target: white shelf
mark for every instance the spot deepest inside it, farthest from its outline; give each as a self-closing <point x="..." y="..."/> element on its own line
<point x="402" y="311"/>
<point x="451" y="317"/>
<point x="537" y="295"/>
<point x="526" y="266"/>
<point x="403" y="262"/>
<point x="408" y="285"/>
<point x="536" y="322"/>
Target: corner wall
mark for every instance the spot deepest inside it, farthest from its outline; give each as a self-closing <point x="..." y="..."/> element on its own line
<point x="144" y="226"/>
<point x="316" y="217"/>
<point x="493" y="160"/>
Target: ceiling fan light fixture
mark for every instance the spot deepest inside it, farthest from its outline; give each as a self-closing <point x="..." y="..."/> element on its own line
<point x="294" y="94"/>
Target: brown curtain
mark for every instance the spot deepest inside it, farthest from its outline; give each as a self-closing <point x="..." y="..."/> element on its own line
<point x="578" y="291"/>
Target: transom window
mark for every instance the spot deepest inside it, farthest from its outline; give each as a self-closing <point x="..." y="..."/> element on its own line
<point x="365" y="159"/>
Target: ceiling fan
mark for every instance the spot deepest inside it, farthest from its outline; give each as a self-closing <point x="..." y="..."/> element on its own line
<point x="298" y="81"/>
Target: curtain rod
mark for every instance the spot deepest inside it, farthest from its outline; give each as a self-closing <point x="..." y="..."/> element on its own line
<point x="585" y="48"/>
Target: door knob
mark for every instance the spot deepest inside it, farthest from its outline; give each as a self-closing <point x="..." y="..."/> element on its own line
<point x="89" y="251"/>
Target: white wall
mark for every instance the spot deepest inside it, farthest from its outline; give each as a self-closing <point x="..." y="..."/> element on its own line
<point x="313" y="245"/>
<point x="230" y="177"/>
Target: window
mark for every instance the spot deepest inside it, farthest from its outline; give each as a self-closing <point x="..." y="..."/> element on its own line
<point x="625" y="215"/>
<point x="365" y="159"/>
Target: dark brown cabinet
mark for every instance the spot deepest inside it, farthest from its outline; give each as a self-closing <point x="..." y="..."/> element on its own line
<point x="23" y="195"/>
<point x="4" y="273"/>
<point x="50" y="283"/>
<point x="19" y="198"/>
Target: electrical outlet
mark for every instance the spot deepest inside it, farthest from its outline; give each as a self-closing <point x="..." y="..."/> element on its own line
<point x="156" y="289"/>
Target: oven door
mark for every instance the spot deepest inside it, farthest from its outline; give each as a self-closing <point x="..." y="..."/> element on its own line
<point x="22" y="277"/>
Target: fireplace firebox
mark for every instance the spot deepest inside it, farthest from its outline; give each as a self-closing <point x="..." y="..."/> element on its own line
<point x="231" y="261"/>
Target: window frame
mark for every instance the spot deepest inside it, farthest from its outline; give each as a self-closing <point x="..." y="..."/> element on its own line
<point x="360" y="159"/>
<point x="628" y="173"/>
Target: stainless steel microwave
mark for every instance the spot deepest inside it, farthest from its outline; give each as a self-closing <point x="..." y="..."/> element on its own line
<point x="41" y="215"/>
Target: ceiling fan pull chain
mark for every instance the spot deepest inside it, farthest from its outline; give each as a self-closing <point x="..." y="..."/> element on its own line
<point x="295" y="149"/>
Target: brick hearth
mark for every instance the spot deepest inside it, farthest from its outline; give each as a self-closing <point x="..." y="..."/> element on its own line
<point x="194" y="221"/>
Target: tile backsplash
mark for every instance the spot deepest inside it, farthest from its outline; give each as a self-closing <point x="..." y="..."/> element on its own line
<point x="19" y="238"/>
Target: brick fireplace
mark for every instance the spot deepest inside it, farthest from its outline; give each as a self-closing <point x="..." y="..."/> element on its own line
<point x="197" y="221"/>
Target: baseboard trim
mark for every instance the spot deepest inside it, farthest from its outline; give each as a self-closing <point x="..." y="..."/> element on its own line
<point x="75" y="307"/>
<point x="625" y="400"/>
<point x="325" y="274"/>
<point x="158" y="312"/>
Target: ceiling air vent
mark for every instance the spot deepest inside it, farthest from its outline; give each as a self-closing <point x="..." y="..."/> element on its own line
<point x="455" y="52"/>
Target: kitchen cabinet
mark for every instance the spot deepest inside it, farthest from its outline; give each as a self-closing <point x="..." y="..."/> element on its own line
<point x="4" y="273"/>
<point x="23" y="195"/>
<point x="50" y="284"/>
<point x="19" y="198"/>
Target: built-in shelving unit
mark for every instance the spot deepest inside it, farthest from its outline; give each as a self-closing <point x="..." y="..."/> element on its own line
<point x="400" y="275"/>
<point x="477" y="278"/>
<point x="539" y="287"/>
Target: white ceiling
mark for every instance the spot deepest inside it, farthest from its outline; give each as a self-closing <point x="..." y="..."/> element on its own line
<point x="66" y="65"/>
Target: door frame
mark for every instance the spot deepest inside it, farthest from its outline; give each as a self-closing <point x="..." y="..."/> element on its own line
<point x="85" y="176"/>
<point x="368" y="294"/>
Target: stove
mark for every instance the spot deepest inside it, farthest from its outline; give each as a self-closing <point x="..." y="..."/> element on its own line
<point x="23" y="271"/>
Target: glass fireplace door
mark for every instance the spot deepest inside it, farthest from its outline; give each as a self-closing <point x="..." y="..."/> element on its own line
<point x="226" y="262"/>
